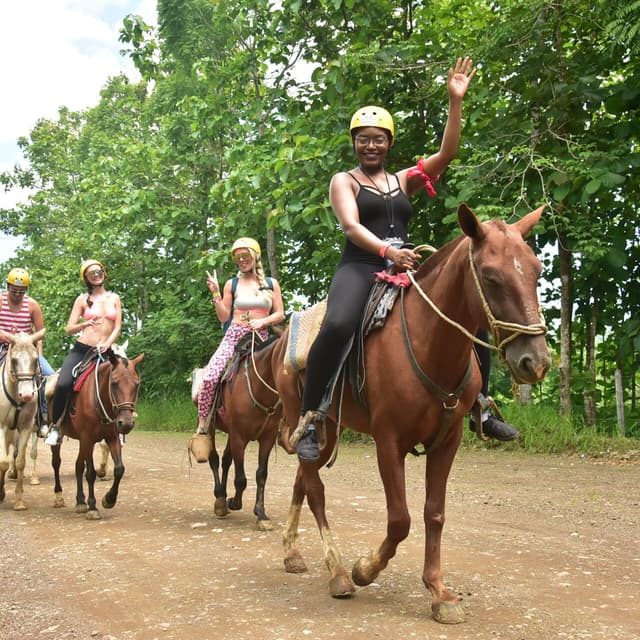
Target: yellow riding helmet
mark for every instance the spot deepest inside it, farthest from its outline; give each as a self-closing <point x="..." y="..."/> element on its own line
<point x="19" y="277"/>
<point x="372" y="116"/>
<point x="88" y="263"/>
<point x="246" y="243"/>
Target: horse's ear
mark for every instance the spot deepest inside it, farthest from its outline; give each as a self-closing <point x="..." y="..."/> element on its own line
<point x="137" y="359"/>
<point x="469" y="222"/>
<point x="7" y="337"/>
<point x="526" y="223"/>
<point x="38" y="335"/>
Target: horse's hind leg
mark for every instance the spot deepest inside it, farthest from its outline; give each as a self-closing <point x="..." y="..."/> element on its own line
<point x="263" y="521"/>
<point x="236" y="448"/>
<point x="220" y="494"/>
<point x="81" y="502"/>
<point x="21" y="447"/>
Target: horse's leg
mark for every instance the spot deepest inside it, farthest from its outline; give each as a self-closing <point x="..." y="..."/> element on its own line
<point x="33" y="454"/>
<point x="265" y="445"/>
<point x="391" y="468"/>
<point x="340" y="586"/>
<point x="90" y="474"/>
<point x="222" y="505"/>
<point x="81" y="502"/>
<point x="19" y="460"/>
<point x="104" y="452"/>
<point x="236" y="447"/>
<point x="111" y="497"/>
<point x="219" y="492"/>
<point x="58" y="500"/>
<point x="444" y="605"/>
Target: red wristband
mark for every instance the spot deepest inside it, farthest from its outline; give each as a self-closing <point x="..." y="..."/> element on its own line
<point x="383" y="250"/>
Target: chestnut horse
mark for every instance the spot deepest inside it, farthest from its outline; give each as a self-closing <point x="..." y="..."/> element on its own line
<point x="250" y="411"/>
<point x="421" y="380"/>
<point x="18" y="405"/>
<point x="103" y="408"/>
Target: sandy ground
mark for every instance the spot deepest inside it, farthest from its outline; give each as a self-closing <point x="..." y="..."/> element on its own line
<point x="537" y="548"/>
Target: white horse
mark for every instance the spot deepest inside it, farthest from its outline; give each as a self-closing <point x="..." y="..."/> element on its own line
<point x="18" y="404"/>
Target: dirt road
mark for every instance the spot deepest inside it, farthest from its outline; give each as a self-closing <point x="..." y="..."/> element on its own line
<point x="537" y="547"/>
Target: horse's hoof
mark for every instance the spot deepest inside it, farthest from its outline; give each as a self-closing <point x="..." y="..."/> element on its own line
<point x="107" y="504"/>
<point x="34" y="481"/>
<point x="20" y="506"/>
<point x="234" y="504"/>
<point x="220" y="508"/>
<point x="93" y="514"/>
<point x="293" y="563"/>
<point x="448" y="612"/>
<point x="264" y="525"/>
<point x="12" y="474"/>
<point x="341" y="587"/>
<point x="101" y="473"/>
<point x="362" y="573"/>
<point x="58" y="502"/>
<point x="81" y="508"/>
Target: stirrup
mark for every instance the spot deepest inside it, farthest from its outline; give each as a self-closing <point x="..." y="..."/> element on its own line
<point x="304" y="422"/>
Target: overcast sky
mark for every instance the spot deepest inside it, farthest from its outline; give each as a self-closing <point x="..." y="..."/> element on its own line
<point x="55" y="53"/>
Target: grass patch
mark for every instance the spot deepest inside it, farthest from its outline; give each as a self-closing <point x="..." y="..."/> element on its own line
<point x="542" y="430"/>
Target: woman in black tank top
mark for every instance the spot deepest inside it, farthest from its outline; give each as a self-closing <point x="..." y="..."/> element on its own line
<point x="373" y="209"/>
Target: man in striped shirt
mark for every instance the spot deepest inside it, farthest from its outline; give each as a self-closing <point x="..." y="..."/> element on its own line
<point x="20" y="312"/>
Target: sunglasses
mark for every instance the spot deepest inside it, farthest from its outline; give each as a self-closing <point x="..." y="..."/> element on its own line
<point x="242" y="256"/>
<point x="95" y="272"/>
<point x="17" y="292"/>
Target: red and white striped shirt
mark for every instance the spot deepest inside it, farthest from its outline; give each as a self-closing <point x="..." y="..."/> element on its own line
<point x="14" y="321"/>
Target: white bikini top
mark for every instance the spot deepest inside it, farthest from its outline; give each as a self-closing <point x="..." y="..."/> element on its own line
<point x="244" y="302"/>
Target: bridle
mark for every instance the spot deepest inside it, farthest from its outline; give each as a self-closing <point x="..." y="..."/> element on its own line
<point x="16" y="377"/>
<point x="116" y="406"/>
<point x="495" y="325"/>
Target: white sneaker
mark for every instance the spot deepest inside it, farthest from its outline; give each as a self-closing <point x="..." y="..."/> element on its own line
<point x="43" y="430"/>
<point x="53" y="438"/>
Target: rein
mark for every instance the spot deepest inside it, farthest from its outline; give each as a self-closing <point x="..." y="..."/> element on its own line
<point x="268" y="410"/>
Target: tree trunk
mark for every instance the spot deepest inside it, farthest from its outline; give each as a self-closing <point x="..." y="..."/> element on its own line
<point x="620" y="402"/>
<point x="566" y="302"/>
<point x="589" y="392"/>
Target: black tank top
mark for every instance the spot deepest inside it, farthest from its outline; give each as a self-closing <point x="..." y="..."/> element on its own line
<point x="376" y="209"/>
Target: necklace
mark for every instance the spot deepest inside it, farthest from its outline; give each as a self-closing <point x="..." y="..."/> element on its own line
<point x="386" y="197"/>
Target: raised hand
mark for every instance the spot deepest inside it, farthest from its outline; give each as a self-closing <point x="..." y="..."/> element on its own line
<point x="460" y="77"/>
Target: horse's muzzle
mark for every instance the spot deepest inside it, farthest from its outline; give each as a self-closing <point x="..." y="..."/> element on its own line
<point x="528" y="358"/>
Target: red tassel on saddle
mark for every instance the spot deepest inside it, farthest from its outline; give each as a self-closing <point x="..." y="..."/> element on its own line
<point x="396" y="279"/>
<point x="418" y="170"/>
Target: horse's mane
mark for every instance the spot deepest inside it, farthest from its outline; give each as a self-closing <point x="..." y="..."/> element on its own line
<point x="435" y="263"/>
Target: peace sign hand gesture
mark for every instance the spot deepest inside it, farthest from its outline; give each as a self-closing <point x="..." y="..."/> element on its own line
<point x="460" y="77"/>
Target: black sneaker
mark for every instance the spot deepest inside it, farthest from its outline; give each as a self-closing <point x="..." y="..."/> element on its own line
<point x="494" y="428"/>
<point x="307" y="447"/>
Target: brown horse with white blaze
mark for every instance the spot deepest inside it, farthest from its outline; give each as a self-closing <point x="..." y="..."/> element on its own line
<point x="18" y="404"/>
<point x="103" y="408"/>
<point x="421" y="381"/>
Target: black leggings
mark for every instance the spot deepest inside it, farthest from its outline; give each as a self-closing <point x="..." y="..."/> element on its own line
<point x="64" y="386"/>
<point x="348" y="295"/>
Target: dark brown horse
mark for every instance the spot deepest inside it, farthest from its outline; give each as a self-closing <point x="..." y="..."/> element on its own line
<point x="103" y="408"/>
<point x="251" y="411"/>
<point x="421" y="381"/>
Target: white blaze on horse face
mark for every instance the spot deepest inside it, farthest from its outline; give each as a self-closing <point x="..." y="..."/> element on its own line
<point x="518" y="266"/>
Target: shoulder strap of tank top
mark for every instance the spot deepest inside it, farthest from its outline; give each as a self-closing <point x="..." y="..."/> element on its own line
<point x="356" y="179"/>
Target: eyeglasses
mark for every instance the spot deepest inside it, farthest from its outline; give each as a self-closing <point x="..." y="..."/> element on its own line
<point x="242" y="256"/>
<point x="17" y="292"/>
<point x="95" y="273"/>
<point x="378" y="141"/>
